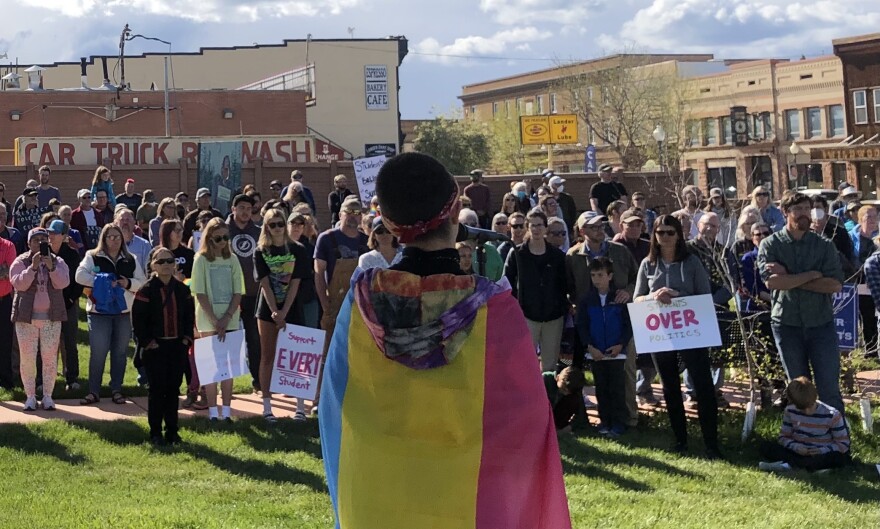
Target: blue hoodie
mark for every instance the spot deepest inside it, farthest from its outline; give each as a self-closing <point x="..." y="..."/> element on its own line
<point x="603" y="327"/>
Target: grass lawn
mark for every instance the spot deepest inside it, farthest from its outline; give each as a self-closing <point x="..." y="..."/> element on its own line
<point x="249" y="475"/>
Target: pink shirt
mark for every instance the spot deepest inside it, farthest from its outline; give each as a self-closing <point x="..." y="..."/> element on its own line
<point x="7" y="256"/>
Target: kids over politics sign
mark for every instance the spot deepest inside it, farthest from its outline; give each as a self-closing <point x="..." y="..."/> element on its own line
<point x="686" y="323"/>
<point x="297" y="362"/>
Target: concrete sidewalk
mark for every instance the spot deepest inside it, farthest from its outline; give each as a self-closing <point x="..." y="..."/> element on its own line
<point x="251" y="405"/>
<point x="243" y="405"/>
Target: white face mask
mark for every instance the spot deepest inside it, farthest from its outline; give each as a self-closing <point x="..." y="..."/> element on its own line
<point x="817" y="213"/>
<point x="560" y="188"/>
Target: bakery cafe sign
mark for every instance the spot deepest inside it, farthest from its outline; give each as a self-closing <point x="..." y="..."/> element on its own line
<point x="846" y="154"/>
<point x="157" y="150"/>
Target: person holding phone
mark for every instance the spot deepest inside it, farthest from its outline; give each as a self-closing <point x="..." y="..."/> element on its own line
<point x="38" y="277"/>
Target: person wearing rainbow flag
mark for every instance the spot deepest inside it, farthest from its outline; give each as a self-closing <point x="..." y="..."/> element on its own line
<point x="433" y="412"/>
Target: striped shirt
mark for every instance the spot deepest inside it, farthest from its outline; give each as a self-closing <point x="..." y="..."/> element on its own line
<point x="824" y="429"/>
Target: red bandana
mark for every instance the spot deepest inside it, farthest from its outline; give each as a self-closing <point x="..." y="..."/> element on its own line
<point x="406" y="233"/>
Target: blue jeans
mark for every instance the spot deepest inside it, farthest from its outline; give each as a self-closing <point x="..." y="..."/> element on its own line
<point x="108" y="333"/>
<point x="717" y="380"/>
<point x="804" y="348"/>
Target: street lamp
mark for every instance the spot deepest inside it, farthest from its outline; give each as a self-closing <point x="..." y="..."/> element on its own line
<point x="659" y="136"/>
<point x="794" y="149"/>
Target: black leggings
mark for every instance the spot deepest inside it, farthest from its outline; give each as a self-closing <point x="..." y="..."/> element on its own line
<point x="164" y="367"/>
<point x="696" y="361"/>
<point x="777" y="452"/>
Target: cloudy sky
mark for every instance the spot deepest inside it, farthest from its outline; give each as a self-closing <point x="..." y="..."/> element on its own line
<point x="452" y="42"/>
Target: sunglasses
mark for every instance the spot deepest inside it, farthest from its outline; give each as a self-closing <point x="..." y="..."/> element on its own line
<point x="557" y="233"/>
<point x="668" y="233"/>
<point x="275" y="225"/>
<point x="352" y="211"/>
<point x="517" y="226"/>
<point x="501" y="223"/>
<point x="88" y="197"/>
<point x="169" y="260"/>
<point x="761" y="234"/>
<point x="220" y="238"/>
<point x="762" y="194"/>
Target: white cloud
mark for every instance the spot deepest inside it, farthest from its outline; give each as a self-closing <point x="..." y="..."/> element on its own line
<point x="431" y="50"/>
<point x="199" y="10"/>
<point x="745" y="27"/>
<point x="558" y="12"/>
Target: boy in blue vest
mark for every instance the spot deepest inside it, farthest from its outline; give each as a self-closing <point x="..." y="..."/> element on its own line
<point x="604" y="329"/>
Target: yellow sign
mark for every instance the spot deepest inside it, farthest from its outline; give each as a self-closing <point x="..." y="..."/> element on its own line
<point x="534" y="130"/>
<point x="563" y="128"/>
<point x="556" y="128"/>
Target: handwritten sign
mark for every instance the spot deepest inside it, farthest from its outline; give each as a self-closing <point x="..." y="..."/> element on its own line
<point x="365" y="171"/>
<point x="217" y="361"/>
<point x="846" y="317"/>
<point x="686" y="323"/>
<point x="297" y="366"/>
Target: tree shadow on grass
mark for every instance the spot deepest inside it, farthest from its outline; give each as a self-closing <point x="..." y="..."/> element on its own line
<point x="130" y="433"/>
<point x="587" y="452"/>
<point x="21" y="438"/>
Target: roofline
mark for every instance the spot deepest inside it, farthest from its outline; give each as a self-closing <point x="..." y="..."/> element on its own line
<point x="92" y="58"/>
<point x="670" y="57"/>
<point x="858" y="39"/>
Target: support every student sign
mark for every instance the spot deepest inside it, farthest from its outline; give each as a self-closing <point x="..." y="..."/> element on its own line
<point x="686" y="323"/>
<point x="297" y="362"/>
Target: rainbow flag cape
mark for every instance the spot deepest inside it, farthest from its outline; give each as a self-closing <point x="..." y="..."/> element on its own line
<point x="433" y="413"/>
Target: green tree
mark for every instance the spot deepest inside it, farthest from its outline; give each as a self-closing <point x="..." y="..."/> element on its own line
<point x="458" y="144"/>
<point x="508" y="156"/>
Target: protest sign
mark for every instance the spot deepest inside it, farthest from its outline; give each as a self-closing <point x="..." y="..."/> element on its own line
<point x="846" y="317"/>
<point x="686" y="323"/>
<point x="365" y="172"/>
<point x="217" y="361"/>
<point x="297" y="364"/>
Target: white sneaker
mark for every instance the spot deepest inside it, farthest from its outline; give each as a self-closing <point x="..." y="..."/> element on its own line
<point x="30" y="404"/>
<point x="776" y="466"/>
<point x="48" y="404"/>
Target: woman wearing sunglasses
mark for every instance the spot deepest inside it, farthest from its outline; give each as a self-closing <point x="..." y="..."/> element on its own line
<point x="279" y="266"/>
<point x="218" y="285"/>
<point x="770" y="214"/>
<point x="163" y="324"/>
<point x="668" y="272"/>
<point x="385" y="251"/>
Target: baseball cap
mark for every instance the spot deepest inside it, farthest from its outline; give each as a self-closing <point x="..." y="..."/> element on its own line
<point x="28" y="192"/>
<point x="83" y="192"/>
<point x="555" y="181"/>
<point x="630" y="215"/>
<point x="58" y="226"/>
<point x="352" y="202"/>
<point x="853" y="206"/>
<point x="590" y="218"/>
<point x="274" y="183"/>
<point x="203" y="192"/>
<point x="129" y="181"/>
<point x="377" y="222"/>
<point x="181" y="194"/>
<point x="716" y="192"/>
<point x="37" y="231"/>
<point x="476" y="172"/>
<point x="605" y="168"/>
<point x="297" y="174"/>
<point x="850" y="191"/>
<point x="843" y="185"/>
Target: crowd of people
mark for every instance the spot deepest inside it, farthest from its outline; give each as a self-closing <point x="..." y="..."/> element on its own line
<point x="164" y="274"/>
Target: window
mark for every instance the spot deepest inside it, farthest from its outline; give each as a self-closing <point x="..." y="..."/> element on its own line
<point x="530" y="108"/>
<point x="519" y="106"/>
<point x="835" y="120"/>
<point x="590" y="94"/>
<point x="814" y="122"/>
<point x="494" y="108"/>
<point x="539" y="100"/>
<point x="860" y="107"/>
<point x="876" y="94"/>
<point x="710" y="131"/>
<point x="473" y="110"/>
<point x="761" y="128"/>
<point x="552" y="103"/>
<point x="507" y="108"/>
<point x="693" y="128"/>
<point x="592" y="136"/>
<point x="724" y="178"/>
<point x="726" y="131"/>
<point x="792" y="125"/>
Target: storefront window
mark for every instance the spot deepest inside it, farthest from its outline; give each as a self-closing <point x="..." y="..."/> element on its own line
<point x="867" y="180"/>
<point x="838" y="173"/>
<point x="762" y="173"/>
<point x="725" y="178"/>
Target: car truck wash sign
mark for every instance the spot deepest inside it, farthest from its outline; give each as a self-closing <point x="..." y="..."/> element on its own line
<point x="376" y="81"/>
<point x="156" y="150"/>
<point x="686" y="323"/>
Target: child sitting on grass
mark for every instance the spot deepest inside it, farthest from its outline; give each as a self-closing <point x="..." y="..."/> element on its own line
<point x="605" y="330"/>
<point x="813" y="437"/>
<point x="565" y="391"/>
